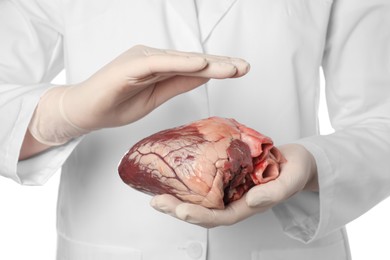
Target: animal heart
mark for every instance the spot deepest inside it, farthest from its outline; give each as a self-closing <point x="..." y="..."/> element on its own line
<point x="210" y="162"/>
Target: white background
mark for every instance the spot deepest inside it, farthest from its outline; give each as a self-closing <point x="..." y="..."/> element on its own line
<point x="27" y="219"/>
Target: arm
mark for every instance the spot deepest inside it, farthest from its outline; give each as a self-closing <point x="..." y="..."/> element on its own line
<point x="347" y="166"/>
<point x="31" y="56"/>
<point x="353" y="162"/>
<point x="121" y="92"/>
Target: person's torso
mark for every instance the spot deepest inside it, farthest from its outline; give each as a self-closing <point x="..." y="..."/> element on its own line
<point x="99" y="217"/>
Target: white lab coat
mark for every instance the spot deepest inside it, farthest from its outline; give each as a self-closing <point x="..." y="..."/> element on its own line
<point x="286" y="42"/>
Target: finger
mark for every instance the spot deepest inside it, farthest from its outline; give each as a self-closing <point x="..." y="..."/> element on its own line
<point x="165" y="203"/>
<point x="213" y="70"/>
<point x="196" y="214"/>
<point x="153" y="62"/>
<point x="242" y="69"/>
<point x="233" y="213"/>
<point x="143" y="61"/>
<point x="174" y="64"/>
<point x="242" y="66"/>
<point x="169" y="84"/>
<point x="267" y="194"/>
<point x="216" y="70"/>
<point x="150" y="98"/>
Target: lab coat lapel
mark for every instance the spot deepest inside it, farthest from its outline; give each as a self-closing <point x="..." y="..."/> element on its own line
<point x="210" y="13"/>
<point x="186" y="11"/>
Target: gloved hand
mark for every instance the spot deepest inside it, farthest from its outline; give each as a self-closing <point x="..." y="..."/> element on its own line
<point x="125" y="90"/>
<point x="297" y="174"/>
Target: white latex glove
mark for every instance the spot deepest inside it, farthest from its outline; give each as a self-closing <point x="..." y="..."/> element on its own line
<point x="125" y="90"/>
<point x="297" y="174"/>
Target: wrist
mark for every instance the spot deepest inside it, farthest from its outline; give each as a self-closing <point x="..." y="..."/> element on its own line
<point x="312" y="183"/>
<point x="48" y="125"/>
<point x="31" y="146"/>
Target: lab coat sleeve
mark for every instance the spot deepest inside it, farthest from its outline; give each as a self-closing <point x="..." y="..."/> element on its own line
<point x="353" y="162"/>
<point x="30" y="57"/>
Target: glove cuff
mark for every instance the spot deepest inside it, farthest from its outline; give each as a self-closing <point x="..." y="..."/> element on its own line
<point x="49" y="124"/>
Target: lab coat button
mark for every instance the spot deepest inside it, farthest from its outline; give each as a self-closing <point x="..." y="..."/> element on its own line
<point x="194" y="250"/>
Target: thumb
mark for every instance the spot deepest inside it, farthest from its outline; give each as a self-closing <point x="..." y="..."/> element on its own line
<point x="265" y="195"/>
<point x="175" y="86"/>
<point x="165" y="203"/>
